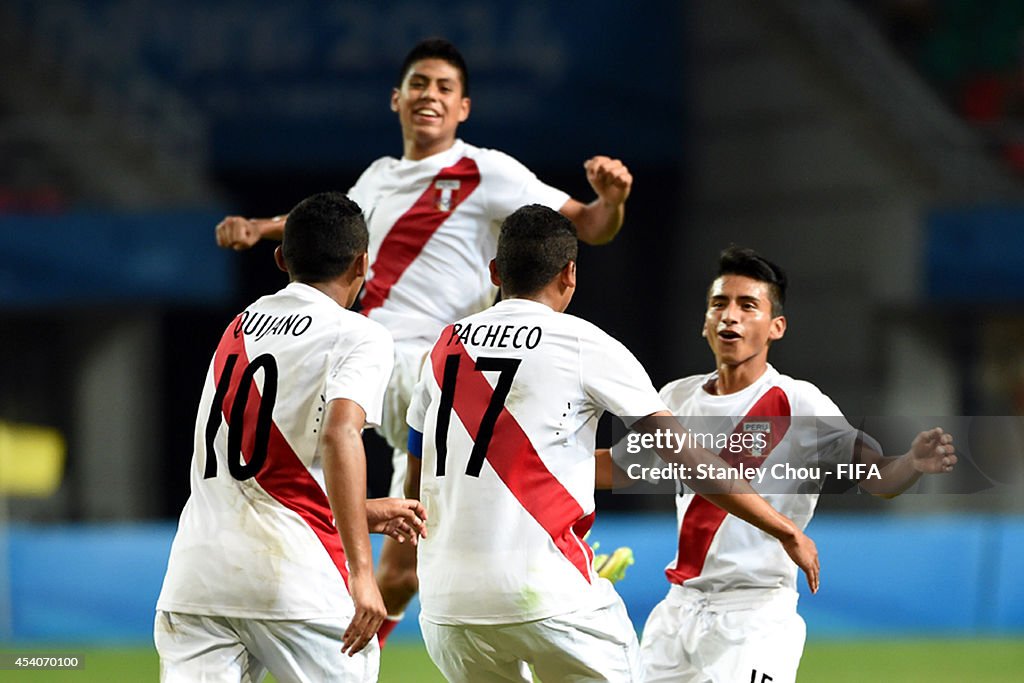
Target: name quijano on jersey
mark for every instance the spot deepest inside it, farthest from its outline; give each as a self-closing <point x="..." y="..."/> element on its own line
<point x="496" y="336"/>
<point x="259" y="325"/>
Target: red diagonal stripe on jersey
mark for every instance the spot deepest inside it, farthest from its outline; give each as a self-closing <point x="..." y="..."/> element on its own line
<point x="282" y="476"/>
<point x="703" y="519"/>
<point x="514" y="459"/>
<point x="407" y="237"/>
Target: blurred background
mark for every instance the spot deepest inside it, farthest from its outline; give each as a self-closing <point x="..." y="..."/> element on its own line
<point x="874" y="148"/>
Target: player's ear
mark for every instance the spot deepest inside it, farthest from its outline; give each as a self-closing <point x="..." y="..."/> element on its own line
<point x="495" y="279"/>
<point x="464" y="107"/>
<point x="362" y="265"/>
<point x="279" y="259"/>
<point x="568" y="275"/>
<point x="394" y="99"/>
<point x="777" y="329"/>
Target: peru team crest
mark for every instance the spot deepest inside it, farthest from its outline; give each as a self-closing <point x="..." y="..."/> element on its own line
<point x="758" y="427"/>
<point x="447" y="192"/>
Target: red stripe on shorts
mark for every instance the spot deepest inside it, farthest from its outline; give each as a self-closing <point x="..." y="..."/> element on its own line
<point x="410" y="233"/>
<point x="514" y="459"/>
<point x="702" y="518"/>
<point x="282" y="476"/>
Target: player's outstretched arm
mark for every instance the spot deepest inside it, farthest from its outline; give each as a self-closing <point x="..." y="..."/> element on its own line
<point x="734" y="496"/>
<point x="344" y="461"/>
<point x="931" y="452"/>
<point x="599" y="221"/>
<point x="400" y="518"/>
<point x="237" y="232"/>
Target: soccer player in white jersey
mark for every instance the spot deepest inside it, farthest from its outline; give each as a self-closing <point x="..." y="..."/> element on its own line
<point x="730" y="614"/>
<point x="504" y="417"/>
<point x="433" y="217"/>
<point x="271" y="567"/>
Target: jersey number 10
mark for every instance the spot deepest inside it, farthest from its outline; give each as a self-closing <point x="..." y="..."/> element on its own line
<point x="236" y="419"/>
<point x="507" y="368"/>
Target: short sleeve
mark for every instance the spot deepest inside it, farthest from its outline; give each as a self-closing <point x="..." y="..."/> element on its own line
<point x="665" y="393"/>
<point x="362" y="374"/>
<point x="515" y="185"/>
<point x="834" y="439"/>
<point x="416" y="415"/>
<point x="615" y="380"/>
<point x="360" y="193"/>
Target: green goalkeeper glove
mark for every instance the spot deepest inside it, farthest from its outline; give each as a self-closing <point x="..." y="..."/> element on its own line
<point x="613" y="567"/>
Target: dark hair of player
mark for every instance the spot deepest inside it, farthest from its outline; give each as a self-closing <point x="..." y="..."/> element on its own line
<point x="436" y="48"/>
<point x="324" y="233"/>
<point x="747" y="262"/>
<point x="535" y="244"/>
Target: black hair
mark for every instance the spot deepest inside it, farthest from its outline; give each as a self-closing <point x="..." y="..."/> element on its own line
<point x="436" y="48"/>
<point x="535" y="244"/>
<point x="748" y="263"/>
<point x="322" y="236"/>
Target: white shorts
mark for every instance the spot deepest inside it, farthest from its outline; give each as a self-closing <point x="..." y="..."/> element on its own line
<point x="193" y="648"/>
<point x="742" y="635"/>
<point x="593" y="645"/>
<point x="409" y="357"/>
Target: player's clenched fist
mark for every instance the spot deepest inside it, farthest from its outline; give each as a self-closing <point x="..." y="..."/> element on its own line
<point x="236" y="232"/>
<point x="610" y="179"/>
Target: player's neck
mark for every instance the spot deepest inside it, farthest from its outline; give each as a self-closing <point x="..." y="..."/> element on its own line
<point x="416" y="150"/>
<point x="539" y="298"/>
<point x="344" y="293"/>
<point x="735" y="378"/>
<point x="554" y="298"/>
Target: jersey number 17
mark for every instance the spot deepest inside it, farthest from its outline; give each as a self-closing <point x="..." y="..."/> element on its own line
<point x="507" y="368"/>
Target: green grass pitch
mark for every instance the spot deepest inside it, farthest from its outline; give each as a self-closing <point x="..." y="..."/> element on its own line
<point x="893" y="661"/>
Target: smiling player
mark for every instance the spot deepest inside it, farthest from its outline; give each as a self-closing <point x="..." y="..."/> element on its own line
<point x="505" y="417"/>
<point x="730" y="614"/>
<point x="433" y="217"/>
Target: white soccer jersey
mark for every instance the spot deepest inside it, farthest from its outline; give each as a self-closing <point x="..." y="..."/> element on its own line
<point x="257" y="538"/>
<point x="433" y="230"/>
<point x="508" y="406"/>
<point x="720" y="552"/>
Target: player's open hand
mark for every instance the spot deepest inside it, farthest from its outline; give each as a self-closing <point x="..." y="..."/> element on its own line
<point x="932" y="452"/>
<point x="804" y="553"/>
<point x="403" y="519"/>
<point x="370" y="613"/>
<point x="610" y="179"/>
<point x="236" y="232"/>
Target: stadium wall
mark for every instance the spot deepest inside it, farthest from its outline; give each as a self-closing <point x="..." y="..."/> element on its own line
<point x="882" y="576"/>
